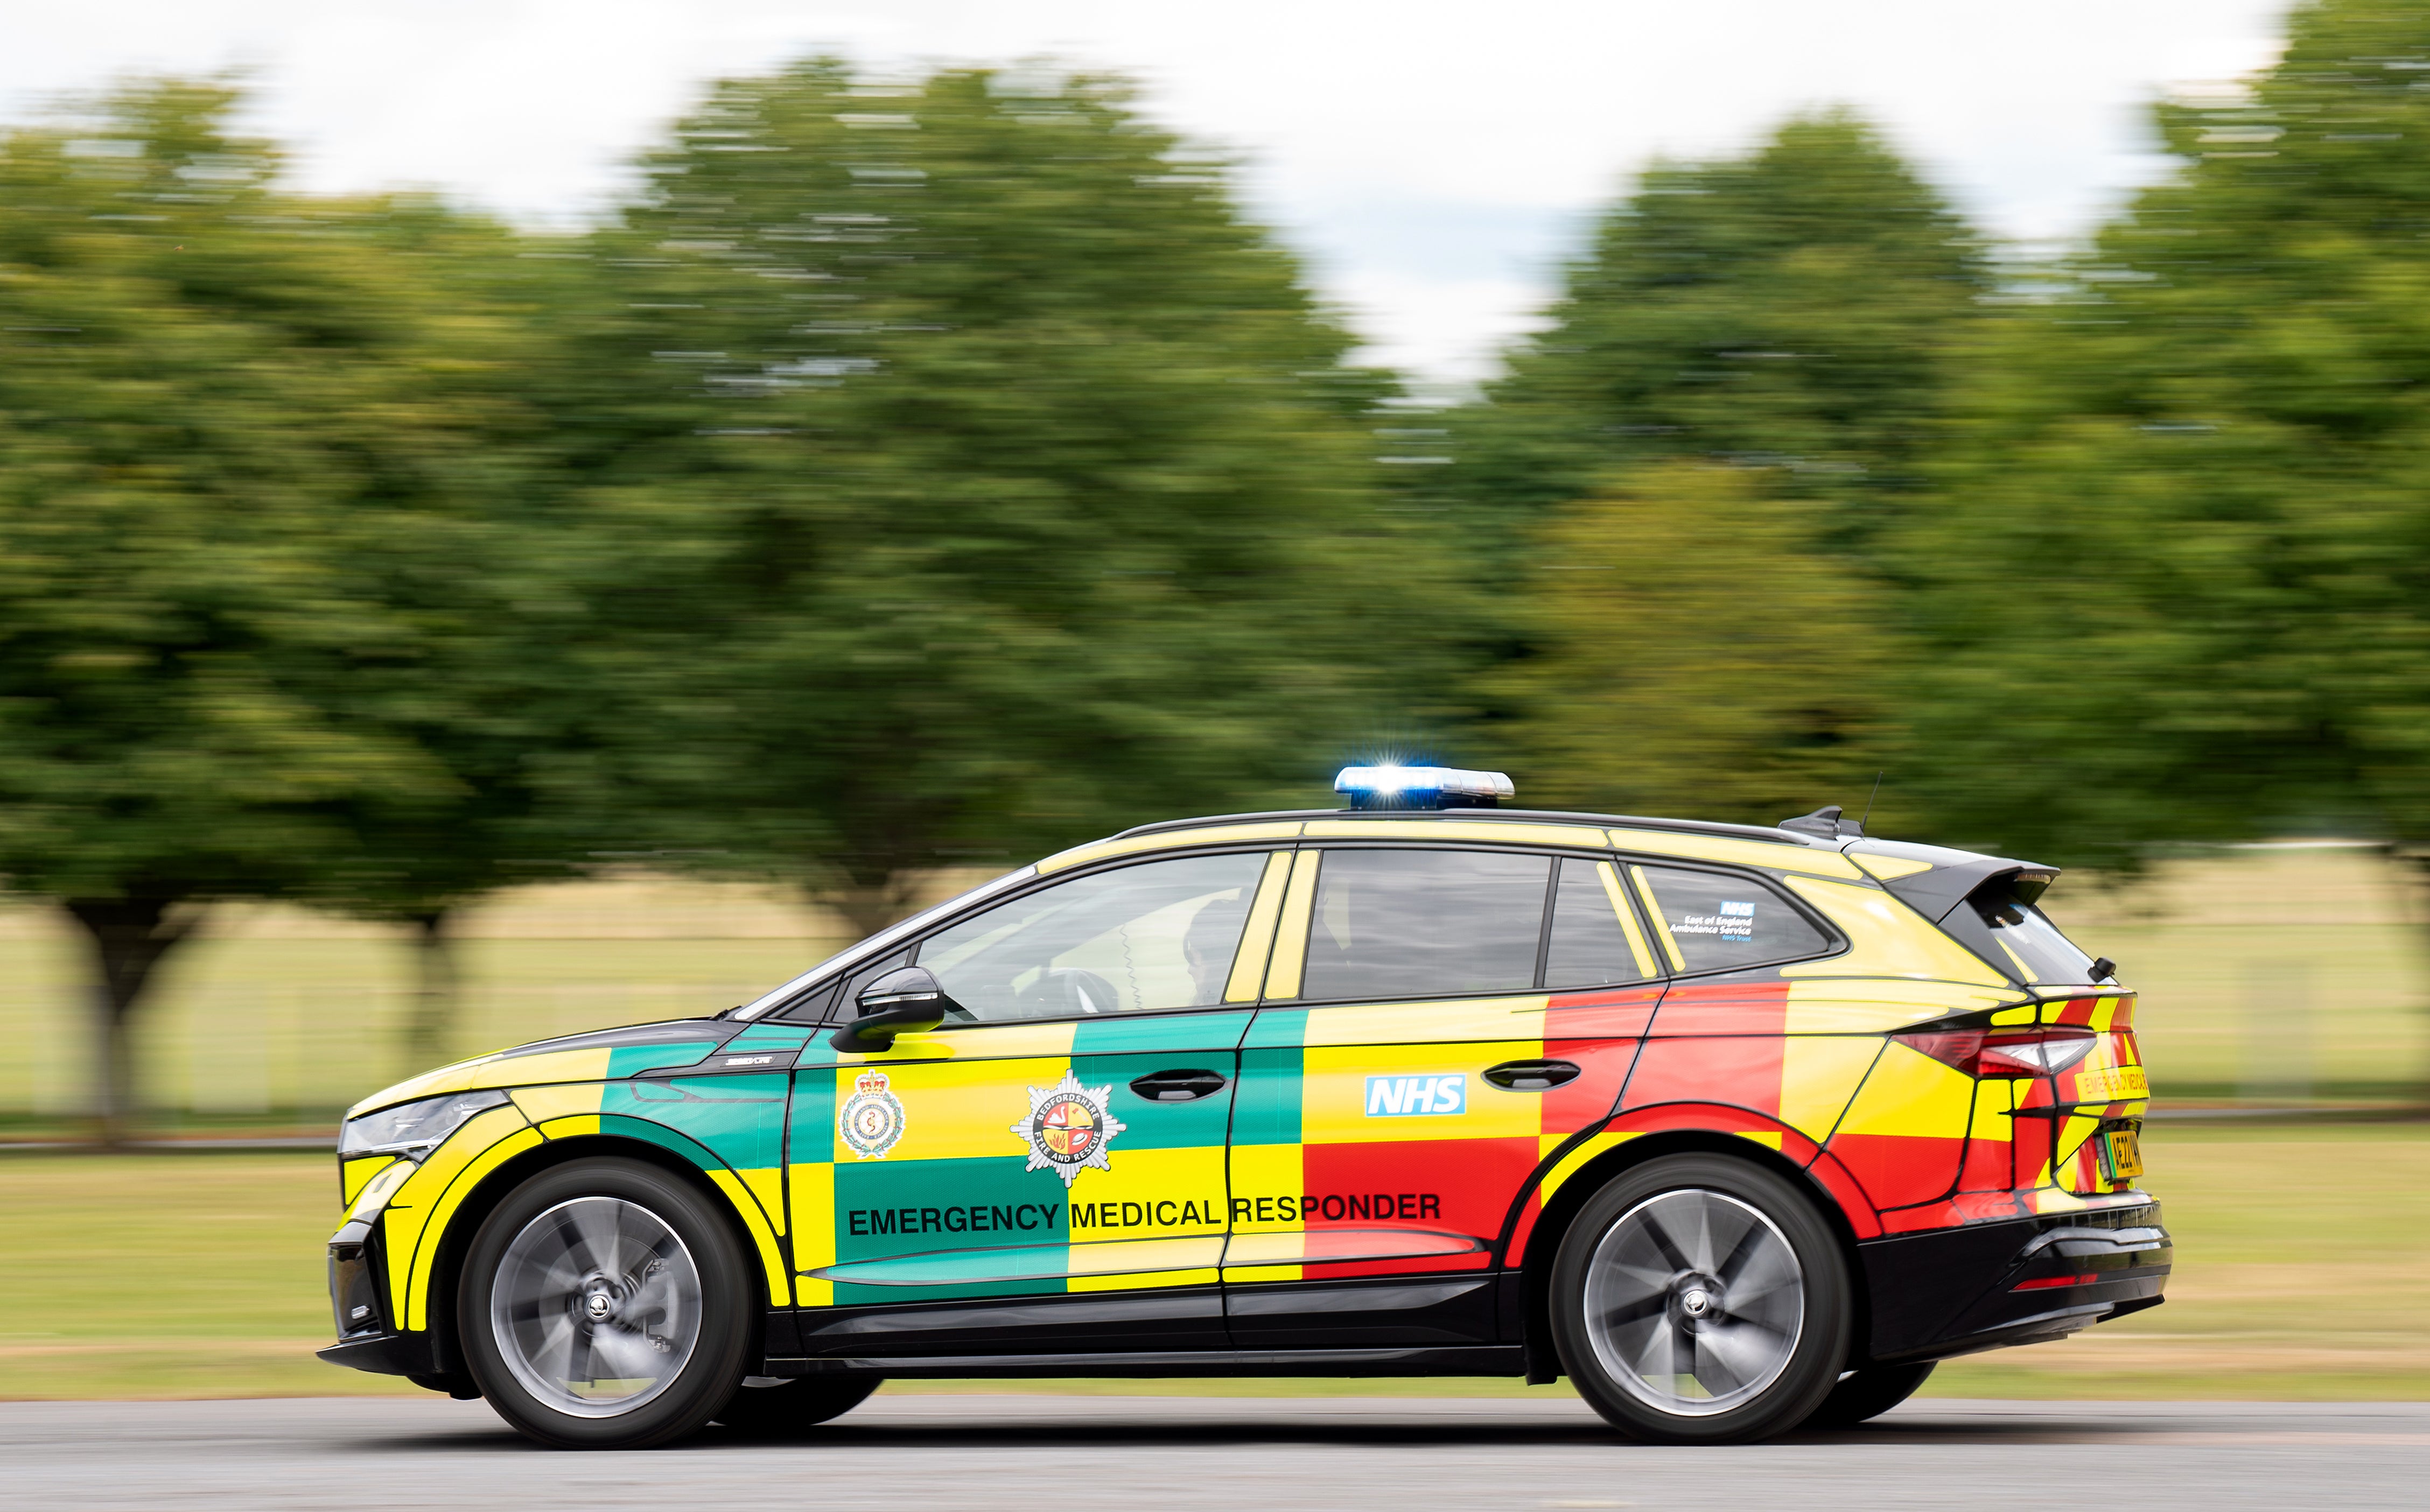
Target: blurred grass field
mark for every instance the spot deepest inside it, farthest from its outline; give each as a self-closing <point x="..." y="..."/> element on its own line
<point x="2278" y="976"/>
<point x="2299" y="1276"/>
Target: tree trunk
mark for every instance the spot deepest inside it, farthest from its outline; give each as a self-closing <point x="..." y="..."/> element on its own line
<point x="435" y="992"/>
<point x="129" y="937"/>
<point x="871" y="907"/>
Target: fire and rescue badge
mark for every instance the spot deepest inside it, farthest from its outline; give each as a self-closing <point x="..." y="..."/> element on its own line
<point x="871" y="1118"/>
<point x="1068" y="1128"/>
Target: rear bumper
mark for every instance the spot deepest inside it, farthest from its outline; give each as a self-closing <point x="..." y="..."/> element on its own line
<point x="2021" y="1281"/>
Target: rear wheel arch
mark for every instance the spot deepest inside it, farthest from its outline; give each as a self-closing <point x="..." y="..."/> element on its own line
<point x="1545" y="1241"/>
<point x="447" y="1264"/>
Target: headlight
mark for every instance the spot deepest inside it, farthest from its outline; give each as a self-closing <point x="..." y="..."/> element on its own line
<point x="413" y="1129"/>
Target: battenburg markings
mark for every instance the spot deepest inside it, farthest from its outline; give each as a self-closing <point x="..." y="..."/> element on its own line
<point x="1398" y="1097"/>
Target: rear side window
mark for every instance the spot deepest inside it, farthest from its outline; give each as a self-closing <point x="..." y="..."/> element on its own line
<point x="2041" y="954"/>
<point x="1412" y="924"/>
<point x="1716" y="922"/>
<point x="1595" y="942"/>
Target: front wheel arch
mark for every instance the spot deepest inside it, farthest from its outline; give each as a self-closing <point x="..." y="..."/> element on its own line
<point x="447" y="1264"/>
<point x="1545" y="1241"/>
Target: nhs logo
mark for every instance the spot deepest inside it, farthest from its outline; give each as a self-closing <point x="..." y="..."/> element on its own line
<point x="1400" y="1097"/>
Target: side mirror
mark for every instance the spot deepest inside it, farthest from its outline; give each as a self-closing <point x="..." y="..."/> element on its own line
<point x="901" y="1001"/>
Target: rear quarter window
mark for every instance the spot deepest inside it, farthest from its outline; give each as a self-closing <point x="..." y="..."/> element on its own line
<point x="1720" y="920"/>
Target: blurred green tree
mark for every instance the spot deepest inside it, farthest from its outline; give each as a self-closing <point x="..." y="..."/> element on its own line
<point x="2175" y="584"/>
<point x="1697" y="654"/>
<point x="999" y="483"/>
<point x="246" y="566"/>
<point x="1796" y="309"/>
<point x="1794" y="315"/>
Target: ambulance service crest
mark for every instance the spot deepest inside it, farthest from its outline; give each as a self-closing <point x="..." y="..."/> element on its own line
<point x="1068" y="1128"/>
<point x="871" y="1118"/>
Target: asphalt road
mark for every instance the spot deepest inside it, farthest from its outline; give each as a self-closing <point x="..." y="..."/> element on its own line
<point x="1047" y="1454"/>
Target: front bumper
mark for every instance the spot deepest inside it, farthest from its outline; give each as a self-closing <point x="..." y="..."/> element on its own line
<point x="368" y="1338"/>
<point x="2021" y="1281"/>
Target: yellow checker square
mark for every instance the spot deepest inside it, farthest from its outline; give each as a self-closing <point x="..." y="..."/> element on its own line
<point x="954" y="1109"/>
<point x="1150" y="1194"/>
<point x="1911" y="1093"/>
<point x="560" y="1100"/>
<point x="1819" y="1073"/>
<point x="1336" y="1093"/>
<point x="1143" y="1262"/>
<point x="1453" y="1023"/>
<point x="813" y="1198"/>
<point x="1267" y="1171"/>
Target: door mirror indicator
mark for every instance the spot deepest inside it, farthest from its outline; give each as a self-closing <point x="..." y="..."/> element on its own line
<point x="908" y="1001"/>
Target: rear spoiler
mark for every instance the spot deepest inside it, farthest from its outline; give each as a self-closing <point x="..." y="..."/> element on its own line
<point x="1937" y="893"/>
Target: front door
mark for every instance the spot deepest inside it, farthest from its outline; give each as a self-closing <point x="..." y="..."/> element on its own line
<point x="1438" y="1024"/>
<point x="1048" y="1164"/>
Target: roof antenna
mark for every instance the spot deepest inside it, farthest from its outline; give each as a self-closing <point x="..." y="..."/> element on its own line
<point x="1870" y="797"/>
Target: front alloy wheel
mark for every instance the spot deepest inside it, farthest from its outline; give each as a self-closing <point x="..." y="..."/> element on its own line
<point x="1700" y="1299"/>
<point x="600" y="1306"/>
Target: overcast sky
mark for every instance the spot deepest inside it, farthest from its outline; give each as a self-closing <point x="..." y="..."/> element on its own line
<point x="1435" y="161"/>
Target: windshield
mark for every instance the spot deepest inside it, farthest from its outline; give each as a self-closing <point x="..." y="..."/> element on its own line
<point x="877" y="942"/>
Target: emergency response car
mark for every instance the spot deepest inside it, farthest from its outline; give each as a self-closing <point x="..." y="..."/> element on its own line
<point x="1739" y="1128"/>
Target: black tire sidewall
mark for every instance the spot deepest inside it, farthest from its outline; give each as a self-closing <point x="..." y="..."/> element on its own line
<point x="1824" y="1341"/>
<point x="727" y="1288"/>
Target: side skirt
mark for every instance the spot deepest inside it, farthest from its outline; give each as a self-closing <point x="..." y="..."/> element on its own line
<point x="1481" y="1359"/>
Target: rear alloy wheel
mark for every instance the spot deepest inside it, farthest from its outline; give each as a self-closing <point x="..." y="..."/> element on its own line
<point x="782" y="1409"/>
<point x="1699" y="1299"/>
<point x="604" y="1306"/>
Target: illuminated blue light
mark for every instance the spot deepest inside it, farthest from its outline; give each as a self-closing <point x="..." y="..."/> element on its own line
<point x="1422" y="788"/>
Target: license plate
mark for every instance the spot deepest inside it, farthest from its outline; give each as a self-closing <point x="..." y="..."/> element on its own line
<point x="2124" y="1150"/>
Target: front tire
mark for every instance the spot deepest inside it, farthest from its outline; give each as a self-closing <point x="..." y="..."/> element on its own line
<point x="1701" y="1300"/>
<point x="604" y="1306"/>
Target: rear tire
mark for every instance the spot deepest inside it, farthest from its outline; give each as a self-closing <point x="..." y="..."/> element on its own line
<point x="1701" y="1300"/>
<point x="792" y="1407"/>
<point x="1865" y="1394"/>
<point x="606" y="1305"/>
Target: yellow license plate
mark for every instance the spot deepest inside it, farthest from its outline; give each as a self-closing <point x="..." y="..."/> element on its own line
<point x="2125" y="1151"/>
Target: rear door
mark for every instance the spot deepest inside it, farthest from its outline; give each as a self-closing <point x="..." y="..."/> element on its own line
<point x="1410" y="1072"/>
<point x="1058" y="1143"/>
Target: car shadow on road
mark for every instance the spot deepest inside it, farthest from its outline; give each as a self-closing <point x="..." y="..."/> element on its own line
<point x="938" y="1432"/>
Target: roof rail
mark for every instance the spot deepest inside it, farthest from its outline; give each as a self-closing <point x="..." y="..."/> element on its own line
<point x="1420" y="816"/>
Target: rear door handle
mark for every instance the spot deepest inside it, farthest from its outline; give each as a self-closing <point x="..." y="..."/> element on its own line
<point x="1178" y="1085"/>
<point x="1531" y="1076"/>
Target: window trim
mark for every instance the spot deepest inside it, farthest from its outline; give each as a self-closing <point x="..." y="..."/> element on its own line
<point x="1836" y="943"/>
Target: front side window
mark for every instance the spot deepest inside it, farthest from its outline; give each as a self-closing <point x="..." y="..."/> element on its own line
<point x="1411" y="924"/>
<point x="1716" y="922"/>
<point x="1135" y="940"/>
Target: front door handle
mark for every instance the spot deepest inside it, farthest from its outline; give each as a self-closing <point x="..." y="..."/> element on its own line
<point x="1531" y="1076"/>
<point x="1178" y="1085"/>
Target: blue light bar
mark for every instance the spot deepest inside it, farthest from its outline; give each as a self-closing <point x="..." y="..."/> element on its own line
<point x="1422" y="788"/>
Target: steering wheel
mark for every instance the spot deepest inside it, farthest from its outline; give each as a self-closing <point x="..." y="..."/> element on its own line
<point x="1061" y="992"/>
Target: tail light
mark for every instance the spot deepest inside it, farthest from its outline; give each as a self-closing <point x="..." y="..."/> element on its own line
<point x="2033" y="1050"/>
